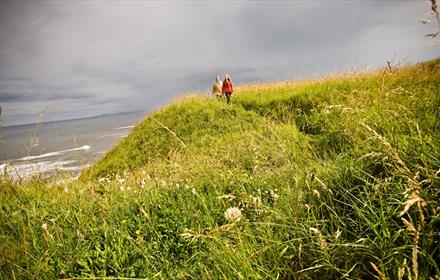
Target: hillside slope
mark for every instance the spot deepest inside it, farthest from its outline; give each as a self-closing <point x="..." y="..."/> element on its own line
<point x="336" y="177"/>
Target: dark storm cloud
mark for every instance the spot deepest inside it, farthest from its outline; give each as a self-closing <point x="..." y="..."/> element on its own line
<point x="83" y="58"/>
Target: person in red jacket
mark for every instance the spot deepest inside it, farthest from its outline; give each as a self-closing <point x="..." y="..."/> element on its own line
<point x="227" y="88"/>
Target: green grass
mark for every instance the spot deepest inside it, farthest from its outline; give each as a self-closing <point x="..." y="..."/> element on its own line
<point x="336" y="178"/>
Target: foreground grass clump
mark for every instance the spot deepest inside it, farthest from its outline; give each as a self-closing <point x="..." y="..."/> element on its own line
<point x="334" y="178"/>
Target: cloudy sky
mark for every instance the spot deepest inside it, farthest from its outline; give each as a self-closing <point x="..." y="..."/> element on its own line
<point x="73" y="59"/>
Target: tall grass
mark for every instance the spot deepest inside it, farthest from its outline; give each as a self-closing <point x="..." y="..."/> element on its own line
<point x="334" y="178"/>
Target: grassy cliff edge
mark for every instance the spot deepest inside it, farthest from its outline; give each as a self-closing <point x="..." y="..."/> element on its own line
<point x="333" y="178"/>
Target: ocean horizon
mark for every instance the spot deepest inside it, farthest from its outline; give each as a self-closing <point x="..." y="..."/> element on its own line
<point x="70" y="119"/>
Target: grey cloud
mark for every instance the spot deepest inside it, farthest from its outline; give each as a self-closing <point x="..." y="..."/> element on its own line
<point x="101" y="57"/>
<point x="26" y="90"/>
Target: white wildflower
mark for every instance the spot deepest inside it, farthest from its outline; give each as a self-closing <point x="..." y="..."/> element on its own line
<point x="122" y="188"/>
<point x="44" y="227"/>
<point x="316" y="193"/>
<point x="103" y="180"/>
<point x="66" y="190"/>
<point x="274" y="195"/>
<point x="256" y="201"/>
<point x="232" y="214"/>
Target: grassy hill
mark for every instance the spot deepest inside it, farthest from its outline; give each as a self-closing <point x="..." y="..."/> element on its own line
<point x="333" y="178"/>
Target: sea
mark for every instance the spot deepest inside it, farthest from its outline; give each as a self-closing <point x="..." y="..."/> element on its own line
<point x="61" y="147"/>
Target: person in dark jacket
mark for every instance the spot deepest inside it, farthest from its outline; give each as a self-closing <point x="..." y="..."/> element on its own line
<point x="227" y="88"/>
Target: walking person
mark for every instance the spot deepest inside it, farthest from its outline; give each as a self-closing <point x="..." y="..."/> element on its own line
<point x="217" y="88"/>
<point x="227" y="88"/>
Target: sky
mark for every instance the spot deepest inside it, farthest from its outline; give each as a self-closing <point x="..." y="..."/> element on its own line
<point x="74" y="59"/>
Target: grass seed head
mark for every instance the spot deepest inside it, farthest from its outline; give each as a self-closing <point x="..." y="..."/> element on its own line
<point x="409" y="227"/>
<point x="412" y="199"/>
<point x="382" y="275"/>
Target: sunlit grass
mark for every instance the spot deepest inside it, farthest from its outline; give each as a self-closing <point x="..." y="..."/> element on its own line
<point x="332" y="178"/>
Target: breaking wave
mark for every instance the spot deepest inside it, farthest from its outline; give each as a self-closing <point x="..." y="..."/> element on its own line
<point x="124" y="127"/>
<point x="51" y="154"/>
